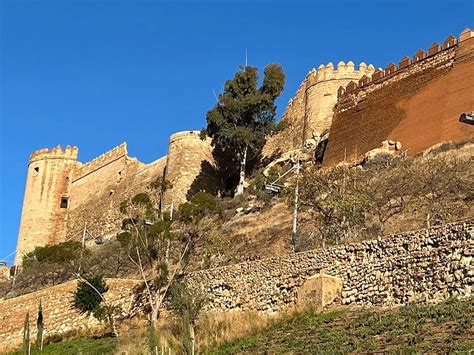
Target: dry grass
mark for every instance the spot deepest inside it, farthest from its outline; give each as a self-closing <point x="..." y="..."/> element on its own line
<point x="214" y="329"/>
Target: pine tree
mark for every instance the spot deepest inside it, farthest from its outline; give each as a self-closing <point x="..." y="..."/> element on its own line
<point x="40" y="328"/>
<point x="241" y="119"/>
<point x="26" y="335"/>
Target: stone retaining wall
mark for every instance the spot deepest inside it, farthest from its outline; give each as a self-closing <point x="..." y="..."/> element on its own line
<point x="419" y="266"/>
<point x="59" y="317"/>
<point x="426" y="265"/>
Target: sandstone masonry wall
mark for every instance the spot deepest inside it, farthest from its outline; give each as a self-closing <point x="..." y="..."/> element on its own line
<point x="426" y="265"/>
<point x="190" y="167"/>
<point x="59" y="317"/>
<point x="418" y="103"/>
<point x="48" y="181"/>
<point x="110" y="186"/>
<point x="95" y="190"/>
<point x="310" y="111"/>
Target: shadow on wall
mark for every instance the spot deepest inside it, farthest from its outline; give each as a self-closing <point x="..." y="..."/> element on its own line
<point x="207" y="181"/>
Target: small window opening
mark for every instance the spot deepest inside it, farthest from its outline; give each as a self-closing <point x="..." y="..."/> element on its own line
<point x="119" y="176"/>
<point x="36" y="170"/>
<point x="111" y="192"/>
<point x="64" y="202"/>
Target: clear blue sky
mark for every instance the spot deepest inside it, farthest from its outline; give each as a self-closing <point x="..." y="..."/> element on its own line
<point x="97" y="73"/>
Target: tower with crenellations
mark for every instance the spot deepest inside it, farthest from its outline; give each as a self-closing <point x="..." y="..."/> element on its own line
<point x="310" y="111"/>
<point x="46" y="200"/>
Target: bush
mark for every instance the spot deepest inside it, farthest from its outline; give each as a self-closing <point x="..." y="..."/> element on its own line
<point x="201" y="204"/>
<point x="58" y="253"/>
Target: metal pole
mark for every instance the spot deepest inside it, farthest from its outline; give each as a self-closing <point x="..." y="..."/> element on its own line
<point x="295" y="208"/>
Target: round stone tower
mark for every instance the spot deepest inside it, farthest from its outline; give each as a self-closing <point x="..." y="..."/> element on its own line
<point x="46" y="201"/>
<point x="310" y="111"/>
<point x="190" y="167"/>
<point x="321" y="93"/>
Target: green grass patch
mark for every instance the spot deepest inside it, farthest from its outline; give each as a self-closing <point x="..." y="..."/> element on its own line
<point x="77" y="346"/>
<point x="446" y="327"/>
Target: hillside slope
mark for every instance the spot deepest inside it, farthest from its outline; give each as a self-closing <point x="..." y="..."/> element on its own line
<point x="441" y="328"/>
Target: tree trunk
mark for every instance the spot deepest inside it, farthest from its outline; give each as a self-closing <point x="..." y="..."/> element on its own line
<point x="240" y="187"/>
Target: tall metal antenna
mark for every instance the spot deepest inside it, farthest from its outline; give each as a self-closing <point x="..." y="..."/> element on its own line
<point x="245" y="57"/>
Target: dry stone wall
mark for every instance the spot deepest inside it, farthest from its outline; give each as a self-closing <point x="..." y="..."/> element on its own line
<point x="426" y="265"/>
<point x="59" y="317"/>
<point x="420" y="266"/>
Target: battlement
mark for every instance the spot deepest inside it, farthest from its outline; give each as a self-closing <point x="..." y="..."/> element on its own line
<point x="405" y="64"/>
<point x="104" y="159"/>
<point x="54" y="153"/>
<point x="343" y="71"/>
<point x="327" y="72"/>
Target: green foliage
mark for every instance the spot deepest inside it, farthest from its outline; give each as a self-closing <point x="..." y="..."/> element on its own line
<point x="185" y="300"/>
<point x="244" y="115"/>
<point x="26" y="334"/>
<point x="187" y="304"/>
<point x="152" y="340"/>
<point x="123" y="207"/>
<point x="200" y="205"/>
<point x="124" y="238"/>
<point x="87" y="299"/>
<point x="161" y="184"/>
<point x="141" y="198"/>
<point x="336" y="205"/>
<point x="39" y="326"/>
<point x="77" y="346"/>
<point x="58" y="253"/>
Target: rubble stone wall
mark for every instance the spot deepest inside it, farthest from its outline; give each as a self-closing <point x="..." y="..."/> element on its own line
<point x="59" y="317"/>
<point x="419" y="266"/>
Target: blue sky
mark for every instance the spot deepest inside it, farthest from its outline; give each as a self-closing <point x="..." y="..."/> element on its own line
<point x="97" y="73"/>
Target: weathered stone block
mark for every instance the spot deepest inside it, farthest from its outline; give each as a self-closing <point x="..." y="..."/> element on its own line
<point x="319" y="290"/>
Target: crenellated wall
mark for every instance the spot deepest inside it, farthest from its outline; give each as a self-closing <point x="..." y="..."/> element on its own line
<point x="101" y="161"/>
<point x="43" y="219"/>
<point x="95" y="190"/>
<point x="417" y="102"/>
<point x="310" y="111"/>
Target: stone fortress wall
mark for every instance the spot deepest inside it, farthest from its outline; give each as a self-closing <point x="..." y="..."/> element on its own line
<point x="190" y="167"/>
<point x="361" y="108"/>
<point x="48" y="181"/>
<point x="417" y="102"/>
<point x="310" y="111"/>
<point x="420" y="266"/>
<point x="63" y="196"/>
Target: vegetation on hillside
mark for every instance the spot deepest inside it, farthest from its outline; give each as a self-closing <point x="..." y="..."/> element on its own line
<point x="338" y="205"/>
<point x="441" y="328"/>
<point x="344" y="204"/>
